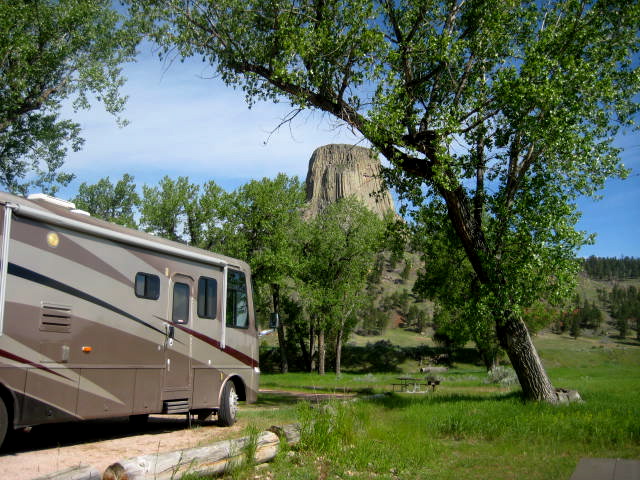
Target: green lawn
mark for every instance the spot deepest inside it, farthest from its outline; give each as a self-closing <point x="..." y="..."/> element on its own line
<point x="466" y="429"/>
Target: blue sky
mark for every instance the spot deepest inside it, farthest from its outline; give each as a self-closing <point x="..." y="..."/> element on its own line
<point x="183" y="122"/>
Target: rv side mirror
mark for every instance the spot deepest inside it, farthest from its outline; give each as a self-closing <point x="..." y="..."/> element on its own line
<point x="274" y="321"/>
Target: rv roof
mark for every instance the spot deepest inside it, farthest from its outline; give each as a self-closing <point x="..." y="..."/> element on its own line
<point x="59" y="214"/>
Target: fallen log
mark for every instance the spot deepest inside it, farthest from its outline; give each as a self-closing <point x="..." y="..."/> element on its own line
<point x="290" y="432"/>
<point x="209" y="460"/>
<point x="79" y="472"/>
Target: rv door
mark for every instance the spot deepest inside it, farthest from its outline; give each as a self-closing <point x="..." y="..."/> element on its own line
<point x="177" y="343"/>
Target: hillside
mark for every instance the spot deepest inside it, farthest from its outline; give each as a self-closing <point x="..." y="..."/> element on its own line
<point x="394" y="283"/>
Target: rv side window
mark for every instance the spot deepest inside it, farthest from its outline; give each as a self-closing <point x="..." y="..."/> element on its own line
<point x="147" y="286"/>
<point x="237" y="302"/>
<point x="180" y="313"/>
<point x="207" y="297"/>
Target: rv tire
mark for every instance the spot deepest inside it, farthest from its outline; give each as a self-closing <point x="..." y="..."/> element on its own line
<point x="228" y="405"/>
<point x="4" y="421"/>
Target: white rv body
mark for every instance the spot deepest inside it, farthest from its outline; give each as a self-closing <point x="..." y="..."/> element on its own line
<point x="97" y="320"/>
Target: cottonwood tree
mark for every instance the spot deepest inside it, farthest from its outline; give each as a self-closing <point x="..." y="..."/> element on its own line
<point x="163" y="208"/>
<point x="51" y="51"/>
<point x="503" y="110"/>
<point x="113" y="203"/>
<point x="186" y="212"/>
<point x="265" y="218"/>
<point x="340" y="248"/>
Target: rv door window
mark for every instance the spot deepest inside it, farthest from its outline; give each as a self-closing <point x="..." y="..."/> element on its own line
<point x="237" y="305"/>
<point x="180" y="312"/>
<point x="207" y="297"/>
<point x="147" y="286"/>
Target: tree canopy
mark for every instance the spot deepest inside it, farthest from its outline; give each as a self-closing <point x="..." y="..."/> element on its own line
<point x="51" y="51"/>
<point x="502" y="112"/>
<point x="113" y="203"/>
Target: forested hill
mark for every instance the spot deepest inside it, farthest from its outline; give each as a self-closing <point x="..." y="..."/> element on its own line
<point x="599" y="268"/>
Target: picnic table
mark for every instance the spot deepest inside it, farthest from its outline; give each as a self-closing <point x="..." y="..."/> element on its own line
<point x="414" y="385"/>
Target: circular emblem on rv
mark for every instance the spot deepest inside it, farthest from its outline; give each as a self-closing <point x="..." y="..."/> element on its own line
<point x="53" y="240"/>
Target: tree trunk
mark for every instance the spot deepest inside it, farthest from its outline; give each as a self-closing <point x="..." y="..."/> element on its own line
<point x="339" y="350"/>
<point x="516" y="341"/>
<point x="303" y="348"/>
<point x="284" y="365"/>
<point x="489" y="351"/>
<point x="312" y="347"/>
<point x="511" y="331"/>
<point x="321" y="352"/>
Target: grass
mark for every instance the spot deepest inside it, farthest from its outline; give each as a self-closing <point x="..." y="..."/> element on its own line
<point x="458" y="436"/>
<point x="466" y="429"/>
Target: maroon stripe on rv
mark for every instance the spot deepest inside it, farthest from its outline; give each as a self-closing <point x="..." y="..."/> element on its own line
<point x="246" y="359"/>
<point x="16" y="358"/>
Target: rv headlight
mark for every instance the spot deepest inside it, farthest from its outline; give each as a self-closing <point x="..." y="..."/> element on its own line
<point x="256" y="369"/>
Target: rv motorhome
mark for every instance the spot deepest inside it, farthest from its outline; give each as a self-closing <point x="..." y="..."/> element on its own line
<point x="98" y="320"/>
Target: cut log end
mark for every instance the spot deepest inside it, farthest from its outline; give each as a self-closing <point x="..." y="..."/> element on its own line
<point x="290" y="433"/>
<point x="567" y="396"/>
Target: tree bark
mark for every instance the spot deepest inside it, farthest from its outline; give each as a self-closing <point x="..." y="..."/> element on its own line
<point x="321" y="352"/>
<point x="514" y="338"/>
<point x="284" y="364"/>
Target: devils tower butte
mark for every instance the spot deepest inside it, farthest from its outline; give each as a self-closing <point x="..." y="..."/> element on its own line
<point x="339" y="171"/>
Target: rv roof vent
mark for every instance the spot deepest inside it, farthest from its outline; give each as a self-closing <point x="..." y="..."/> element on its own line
<point x="53" y="200"/>
<point x="80" y="212"/>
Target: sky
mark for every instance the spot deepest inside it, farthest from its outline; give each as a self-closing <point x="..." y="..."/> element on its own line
<point x="185" y="122"/>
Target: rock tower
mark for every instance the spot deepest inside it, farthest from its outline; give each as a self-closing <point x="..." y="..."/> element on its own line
<point x="338" y="171"/>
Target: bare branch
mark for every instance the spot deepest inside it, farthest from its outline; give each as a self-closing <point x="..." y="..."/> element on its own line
<point x="287" y="120"/>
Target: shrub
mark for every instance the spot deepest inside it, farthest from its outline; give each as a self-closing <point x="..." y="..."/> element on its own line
<point x="502" y="375"/>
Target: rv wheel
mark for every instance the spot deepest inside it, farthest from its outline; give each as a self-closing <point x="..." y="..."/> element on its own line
<point x="4" y="421"/>
<point x="228" y="405"/>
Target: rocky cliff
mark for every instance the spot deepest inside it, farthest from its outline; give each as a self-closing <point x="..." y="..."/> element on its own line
<point x="338" y="171"/>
